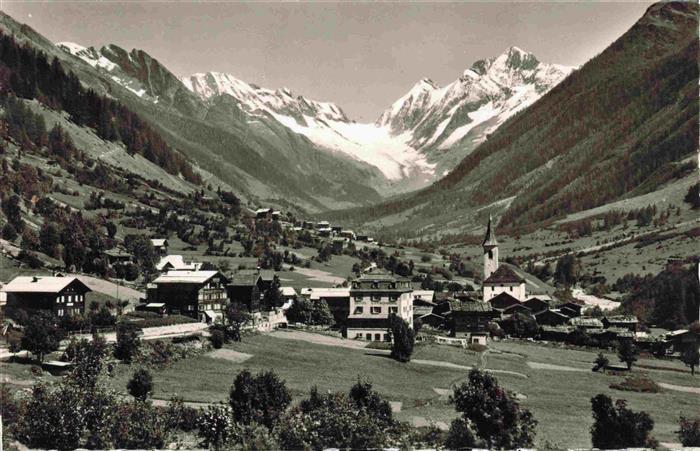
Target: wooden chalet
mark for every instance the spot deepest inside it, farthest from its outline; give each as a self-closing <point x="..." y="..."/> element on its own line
<point x="551" y="318"/>
<point x="503" y="301"/>
<point x="245" y="291"/>
<point x="63" y="296"/>
<point x="193" y="293"/>
<point x="470" y="319"/>
<point x="536" y="305"/>
<point x="628" y="322"/>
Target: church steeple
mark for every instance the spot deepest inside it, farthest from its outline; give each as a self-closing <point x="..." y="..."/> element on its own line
<point x="490" y="238"/>
<point x="490" y="246"/>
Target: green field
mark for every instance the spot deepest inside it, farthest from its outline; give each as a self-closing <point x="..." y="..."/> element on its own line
<point x="559" y="399"/>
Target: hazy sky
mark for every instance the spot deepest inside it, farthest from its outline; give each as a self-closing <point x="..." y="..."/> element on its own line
<point x="362" y="56"/>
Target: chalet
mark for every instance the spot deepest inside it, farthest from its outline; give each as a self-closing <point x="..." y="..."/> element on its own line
<point x="583" y="322"/>
<point x="276" y="215"/>
<point x="555" y="333"/>
<point x="263" y="213"/>
<point x="470" y="319"/>
<point x="193" y="293"/>
<point x="336" y="229"/>
<point x="373" y="298"/>
<point x="349" y="234"/>
<point x="323" y="225"/>
<point x="503" y="301"/>
<point x="154" y="307"/>
<point x="431" y="319"/>
<point x="337" y="244"/>
<point x="517" y="308"/>
<point x="324" y="231"/>
<point x="683" y="339"/>
<point x="308" y="225"/>
<point x="628" y="322"/>
<point x="577" y="308"/>
<point x="288" y="293"/>
<point x="363" y="238"/>
<point x="245" y="291"/>
<point x="63" y="296"/>
<point x="551" y="318"/>
<point x="176" y="263"/>
<point x="536" y="305"/>
<point x="117" y="256"/>
<point x="338" y="300"/>
<point x="160" y="245"/>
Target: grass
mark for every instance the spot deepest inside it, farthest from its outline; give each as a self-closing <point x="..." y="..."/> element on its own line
<point x="559" y="400"/>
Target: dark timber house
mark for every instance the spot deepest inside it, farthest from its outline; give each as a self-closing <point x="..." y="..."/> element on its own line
<point x="63" y="296"/>
<point x="198" y="294"/>
<point x="245" y="291"/>
<point x="470" y="319"/>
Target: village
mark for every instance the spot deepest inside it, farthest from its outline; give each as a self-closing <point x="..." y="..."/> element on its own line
<point x="188" y="299"/>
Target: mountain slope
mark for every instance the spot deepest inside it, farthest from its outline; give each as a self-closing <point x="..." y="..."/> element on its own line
<point x="258" y="156"/>
<point x="621" y="125"/>
<point x="423" y="134"/>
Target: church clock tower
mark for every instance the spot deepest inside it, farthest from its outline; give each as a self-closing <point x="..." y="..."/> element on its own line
<point x="490" y="246"/>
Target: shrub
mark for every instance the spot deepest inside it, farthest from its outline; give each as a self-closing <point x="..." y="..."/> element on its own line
<point x="601" y="362"/>
<point x="496" y="418"/>
<point x="215" y="426"/>
<point x="180" y="416"/>
<point x="128" y="342"/>
<point x="138" y="425"/>
<point x="616" y="426"/>
<point x="689" y="432"/>
<point x="627" y="352"/>
<point x="217" y="338"/>
<point x="640" y="384"/>
<point x="262" y="398"/>
<point x="141" y="384"/>
<point x="461" y="435"/>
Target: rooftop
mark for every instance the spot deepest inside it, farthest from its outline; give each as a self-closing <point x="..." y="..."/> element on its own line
<point x="40" y="284"/>
<point x="470" y="306"/>
<point x="504" y="275"/>
<point x="186" y="276"/>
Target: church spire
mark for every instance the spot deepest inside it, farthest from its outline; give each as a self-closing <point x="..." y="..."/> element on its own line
<point x="490" y="238"/>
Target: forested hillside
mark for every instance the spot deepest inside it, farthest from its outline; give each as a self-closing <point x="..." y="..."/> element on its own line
<point x="622" y="125"/>
<point x="28" y="74"/>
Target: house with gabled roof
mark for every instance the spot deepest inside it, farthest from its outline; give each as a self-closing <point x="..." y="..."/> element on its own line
<point x="502" y="301"/>
<point x="198" y="294"/>
<point x="63" y="296"/>
<point x="470" y="319"/>
<point x="245" y="290"/>
<point x="536" y="304"/>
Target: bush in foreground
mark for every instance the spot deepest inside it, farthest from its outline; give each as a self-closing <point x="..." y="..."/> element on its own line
<point x="616" y="426"/>
<point x="689" y="432"/>
<point x="491" y="413"/>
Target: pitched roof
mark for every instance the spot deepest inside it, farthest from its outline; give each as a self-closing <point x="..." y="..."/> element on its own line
<point x="625" y="319"/>
<point x="551" y="312"/>
<point x="318" y="293"/>
<point x="288" y="291"/>
<point x="186" y="276"/>
<point x="504" y="275"/>
<point x="470" y="306"/>
<point x="586" y="322"/>
<point x="177" y="262"/>
<point x="158" y="242"/>
<point x="241" y="279"/>
<point x="40" y="284"/>
<point x="267" y="275"/>
<point x="490" y="237"/>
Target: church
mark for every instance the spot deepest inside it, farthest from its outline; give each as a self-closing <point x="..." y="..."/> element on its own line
<point x="499" y="278"/>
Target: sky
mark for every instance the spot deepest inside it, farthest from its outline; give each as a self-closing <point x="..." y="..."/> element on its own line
<point x="361" y="56"/>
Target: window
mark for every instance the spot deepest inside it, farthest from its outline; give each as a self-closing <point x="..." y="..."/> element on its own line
<point x="376" y="310"/>
<point x="358" y="311"/>
<point x="386" y="337"/>
<point x="511" y="288"/>
<point x="378" y="337"/>
<point x="393" y="310"/>
<point x="60" y="312"/>
<point x="376" y="298"/>
<point x="368" y="337"/>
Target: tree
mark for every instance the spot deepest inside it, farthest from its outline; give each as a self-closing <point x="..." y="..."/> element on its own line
<point x="691" y="358"/>
<point x="311" y="312"/>
<point x="461" y="435"/>
<point x="272" y="298"/>
<point x="498" y="420"/>
<point x="693" y="196"/>
<point x="601" y="362"/>
<point x="141" y="248"/>
<point x="140" y="386"/>
<point x="9" y="232"/>
<point x="262" y="398"/>
<point x="217" y="338"/>
<point x="52" y="418"/>
<point x="567" y="270"/>
<point x="235" y="319"/>
<point x="41" y="336"/>
<point x="87" y="357"/>
<point x="215" y="426"/>
<point x="616" y="426"/>
<point x="334" y="420"/>
<point x="627" y="352"/>
<point x="128" y="342"/>
<point x="689" y="432"/>
<point x="402" y="338"/>
<point x="138" y="425"/>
